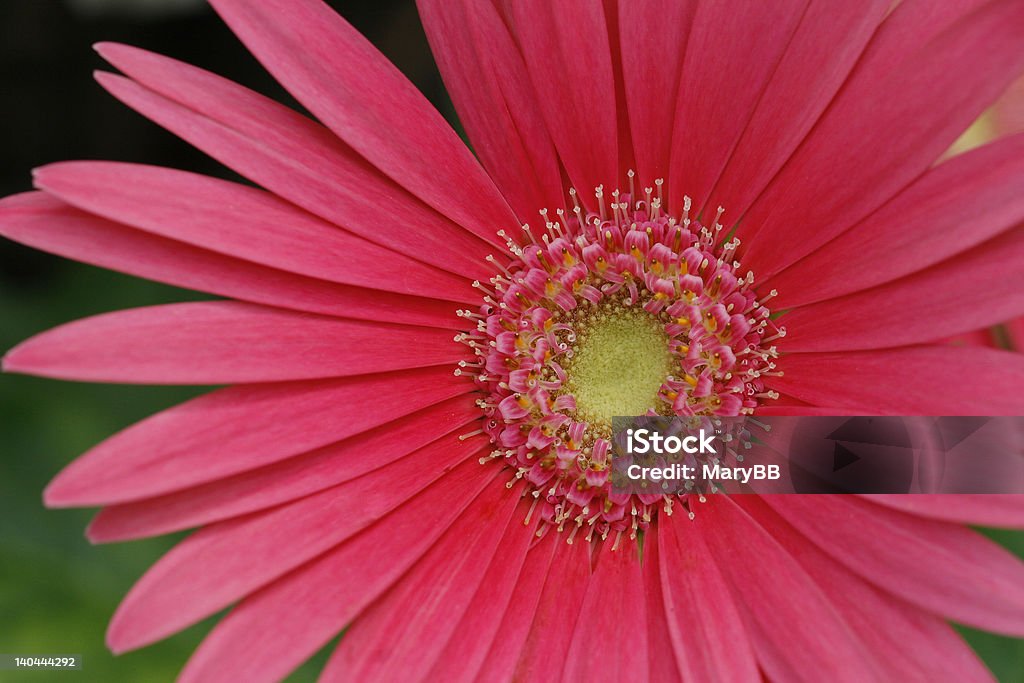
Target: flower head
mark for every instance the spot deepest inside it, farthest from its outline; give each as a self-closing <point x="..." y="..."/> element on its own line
<point x="415" y="445"/>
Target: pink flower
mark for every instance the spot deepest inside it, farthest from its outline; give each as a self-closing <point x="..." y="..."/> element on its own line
<point x="350" y="481"/>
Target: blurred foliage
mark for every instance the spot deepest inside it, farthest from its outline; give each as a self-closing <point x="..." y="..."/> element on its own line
<point x="57" y="592"/>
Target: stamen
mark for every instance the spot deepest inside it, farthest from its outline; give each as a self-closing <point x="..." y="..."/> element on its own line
<point x="627" y="312"/>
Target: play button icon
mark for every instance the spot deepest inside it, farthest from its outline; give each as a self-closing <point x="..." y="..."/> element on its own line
<point x="842" y="457"/>
<point x="851" y="455"/>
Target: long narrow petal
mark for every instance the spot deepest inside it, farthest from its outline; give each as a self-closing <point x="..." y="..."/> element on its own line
<point x="492" y="93"/>
<point x="266" y="637"/>
<point x="998" y="510"/>
<point x="43" y="222"/>
<point x="662" y="663"/>
<point x="500" y="663"/>
<point x="547" y="645"/>
<point x="710" y="643"/>
<point x="919" y="380"/>
<point x="904" y="642"/>
<point x="985" y="286"/>
<point x="945" y="568"/>
<point x="357" y="93"/>
<point x="651" y="76"/>
<point x="928" y="73"/>
<point x="439" y="587"/>
<point x="831" y="37"/>
<point x="224" y="562"/>
<point x="1015" y="332"/>
<point x="714" y="101"/>
<point x="795" y="630"/>
<point x="774" y="409"/>
<point x="955" y="206"/>
<point x="286" y="153"/>
<point x="627" y="158"/>
<point x="565" y="46"/>
<point x="240" y="221"/>
<point x="287" y="480"/>
<point x="622" y="617"/>
<point x="225" y="342"/>
<point x="241" y="428"/>
<point x="462" y="658"/>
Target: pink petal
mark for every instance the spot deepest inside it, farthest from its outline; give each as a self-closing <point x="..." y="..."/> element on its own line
<point x="226" y="561"/>
<point x="288" y="154"/>
<point x="501" y="660"/>
<point x="927" y="74"/>
<point x="224" y="342"/>
<point x="984" y="337"/>
<point x="999" y="510"/>
<point x="627" y="160"/>
<point x="709" y="644"/>
<point x="346" y="83"/>
<point x="401" y="636"/>
<point x="568" y="57"/>
<point x="651" y="76"/>
<point x="955" y="206"/>
<point x="827" y="43"/>
<point x="547" y="644"/>
<point x="43" y="222"/>
<point x="462" y="658"/>
<point x="919" y="380"/>
<point x="241" y="428"/>
<point x="240" y="221"/>
<point x="730" y="57"/>
<point x="984" y="286"/>
<point x="945" y="568"/>
<point x="1015" y="331"/>
<point x="795" y="630"/>
<point x="662" y="665"/>
<point x="265" y="637"/>
<point x="1008" y="111"/>
<point x="613" y="611"/>
<point x="905" y="643"/>
<point x="773" y="409"/>
<point x="288" y="480"/>
<point x="472" y="45"/>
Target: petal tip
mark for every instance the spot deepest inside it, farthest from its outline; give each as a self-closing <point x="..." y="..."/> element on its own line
<point x="94" y="532"/>
<point x="103" y="528"/>
<point x="52" y="497"/>
<point x="113" y="83"/>
<point x="50" y="176"/>
<point x="30" y="357"/>
<point x="115" y="639"/>
<point x="40" y="174"/>
<point x="62" y="493"/>
<point x="130" y="629"/>
<point x="9" y="361"/>
<point x="18" y="359"/>
<point x="109" y="50"/>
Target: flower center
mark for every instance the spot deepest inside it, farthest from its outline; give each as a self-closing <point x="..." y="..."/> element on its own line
<point x="616" y="309"/>
<point x="621" y="359"/>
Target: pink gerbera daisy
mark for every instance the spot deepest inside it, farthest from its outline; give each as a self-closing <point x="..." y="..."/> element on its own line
<point x="415" y="448"/>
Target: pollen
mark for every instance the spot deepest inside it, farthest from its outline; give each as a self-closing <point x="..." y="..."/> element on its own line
<point x="620" y="360"/>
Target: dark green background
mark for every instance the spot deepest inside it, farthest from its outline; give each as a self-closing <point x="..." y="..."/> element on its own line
<point x="57" y="592"/>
